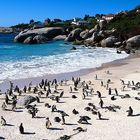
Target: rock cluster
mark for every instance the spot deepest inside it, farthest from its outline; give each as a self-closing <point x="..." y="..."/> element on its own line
<point x="38" y="36"/>
<point x="98" y="36"/>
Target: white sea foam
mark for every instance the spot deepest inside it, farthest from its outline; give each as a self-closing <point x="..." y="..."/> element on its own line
<point x="41" y="65"/>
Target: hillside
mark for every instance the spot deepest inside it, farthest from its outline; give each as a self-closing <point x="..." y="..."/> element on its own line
<point x="127" y="23"/>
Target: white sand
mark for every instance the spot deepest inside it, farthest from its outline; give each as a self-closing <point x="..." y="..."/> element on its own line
<point x="118" y="127"/>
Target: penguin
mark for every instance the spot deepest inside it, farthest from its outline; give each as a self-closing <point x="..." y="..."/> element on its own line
<point x="3" y="121"/>
<point x="21" y="129"/>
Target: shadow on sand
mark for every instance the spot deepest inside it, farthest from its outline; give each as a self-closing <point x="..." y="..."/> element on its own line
<point x="103" y="119"/>
<point x="2" y="138"/>
<point x="29" y="133"/>
<point x="70" y="124"/>
<point x="9" y="124"/>
<point x="56" y="129"/>
<point x="135" y="115"/>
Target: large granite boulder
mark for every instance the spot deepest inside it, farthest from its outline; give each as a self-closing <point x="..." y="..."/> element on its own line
<point x="60" y="37"/>
<point x="109" y="42"/>
<point x="49" y="33"/>
<point x="96" y="37"/>
<point x="108" y="33"/>
<point x="40" y="39"/>
<point x="84" y="34"/>
<point x="26" y="100"/>
<point x="102" y="24"/>
<point x="20" y="38"/>
<point x="133" y="43"/>
<point x="74" y="34"/>
<point x="28" y="40"/>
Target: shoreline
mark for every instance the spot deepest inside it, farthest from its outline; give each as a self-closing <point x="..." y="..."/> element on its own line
<point x="64" y="76"/>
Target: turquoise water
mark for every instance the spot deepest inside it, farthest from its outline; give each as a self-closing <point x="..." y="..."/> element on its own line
<point x="19" y="61"/>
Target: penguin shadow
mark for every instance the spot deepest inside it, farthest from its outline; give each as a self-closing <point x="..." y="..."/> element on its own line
<point x="29" y="133"/>
<point x="18" y="111"/>
<point x="38" y="117"/>
<point x="41" y="102"/>
<point x="60" y="89"/>
<point x="61" y="102"/>
<point x="2" y="138"/>
<point x="9" y="124"/>
<point x="8" y="110"/>
<point x="135" y="115"/>
<point x="53" y="128"/>
<point x="74" y="92"/>
<point x="20" y="108"/>
<point x="103" y="97"/>
<point x="65" y="97"/>
<point x="103" y="119"/>
<point x="99" y="79"/>
<point x="70" y="124"/>
<point x="86" y="123"/>
<point x="87" y="99"/>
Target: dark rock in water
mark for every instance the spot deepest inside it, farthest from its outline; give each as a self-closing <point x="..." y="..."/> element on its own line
<point x="118" y="52"/>
<point x="26" y="100"/>
<point x="73" y="48"/>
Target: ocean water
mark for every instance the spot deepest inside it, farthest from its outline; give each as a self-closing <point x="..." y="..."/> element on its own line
<point x="18" y="61"/>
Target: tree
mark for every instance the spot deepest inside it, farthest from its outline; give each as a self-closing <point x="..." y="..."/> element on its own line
<point x="57" y="20"/>
<point x="137" y="7"/>
<point x="86" y="17"/>
<point x="47" y="21"/>
<point x="98" y="16"/>
<point x="31" y="21"/>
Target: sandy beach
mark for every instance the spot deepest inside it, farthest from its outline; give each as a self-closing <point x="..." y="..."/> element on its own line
<point x="112" y="126"/>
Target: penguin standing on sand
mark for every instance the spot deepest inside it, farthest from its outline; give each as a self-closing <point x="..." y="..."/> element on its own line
<point x="3" y="121"/>
<point x="130" y="111"/>
<point x="48" y="123"/>
<point x="101" y="103"/>
<point x="21" y="129"/>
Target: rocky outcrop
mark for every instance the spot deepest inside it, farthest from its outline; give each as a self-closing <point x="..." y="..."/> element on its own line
<point x="75" y="34"/>
<point x="38" y="35"/>
<point x="102" y="24"/>
<point x="28" y="40"/>
<point x="133" y="43"/>
<point x="60" y="37"/>
<point x="96" y="37"/>
<point x="40" y="39"/>
<point x="109" y="42"/>
<point x="84" y="34"/>
<point x="26" y="100"/>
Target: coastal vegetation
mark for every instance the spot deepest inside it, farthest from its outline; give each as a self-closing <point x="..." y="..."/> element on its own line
<point x="127" y="22"/>
<point x="120" y="30"/>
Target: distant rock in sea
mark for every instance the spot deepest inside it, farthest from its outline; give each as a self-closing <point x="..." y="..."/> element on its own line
<point x="38" y="36"/>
